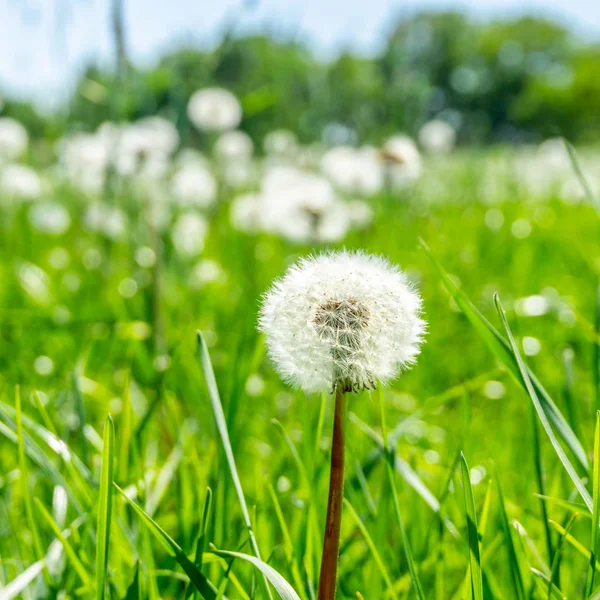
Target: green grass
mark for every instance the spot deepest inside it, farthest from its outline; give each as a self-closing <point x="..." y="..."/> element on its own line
<point x="139" y="522"/>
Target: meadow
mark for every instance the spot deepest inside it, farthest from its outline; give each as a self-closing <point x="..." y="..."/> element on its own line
<point x="99" y="320"/>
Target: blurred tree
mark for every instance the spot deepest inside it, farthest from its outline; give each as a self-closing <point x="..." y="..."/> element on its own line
<point x="502" y="81"/>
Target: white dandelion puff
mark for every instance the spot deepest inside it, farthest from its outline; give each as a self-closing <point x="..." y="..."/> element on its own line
<point x="13" y="138"/>
<point x="280" y="142"/>
<point x="354" y="171"/>
<point x="239" y="174"/>
<point x="403" y="161"/>
<point x="50" y="218"/>
<point x="344" y="321"/>
<point x="188" y="234"/>
<point x="106" y="219"/>
<point x="437" y="137"/>
<point x="246" y="213"/>
<point x="194" y="185"/>
<point x="234" y="145"/>
<point x="214" y="109"/>
<point x="20" y="182"/>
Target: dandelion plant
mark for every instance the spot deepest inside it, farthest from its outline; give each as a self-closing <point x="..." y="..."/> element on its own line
<point x="341" y="322"/>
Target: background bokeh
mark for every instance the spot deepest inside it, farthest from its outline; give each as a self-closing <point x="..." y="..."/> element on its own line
<point x="498" y="72"/>
<point x="161" y="164"/>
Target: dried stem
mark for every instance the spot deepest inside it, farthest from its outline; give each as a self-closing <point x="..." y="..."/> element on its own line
<point x="331" y="542"/>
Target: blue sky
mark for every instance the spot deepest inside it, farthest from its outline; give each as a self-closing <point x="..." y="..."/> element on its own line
<point x="44" y="43"/>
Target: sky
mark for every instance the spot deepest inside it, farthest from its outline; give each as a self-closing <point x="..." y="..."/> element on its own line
<point x="44" y="44"/>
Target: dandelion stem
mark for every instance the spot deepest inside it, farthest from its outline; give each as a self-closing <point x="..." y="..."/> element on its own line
<point x="331" y="541"/>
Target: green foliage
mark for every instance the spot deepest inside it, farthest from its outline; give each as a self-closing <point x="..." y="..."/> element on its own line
<point x="404" y="532"/>
<point x="513" y="80"/>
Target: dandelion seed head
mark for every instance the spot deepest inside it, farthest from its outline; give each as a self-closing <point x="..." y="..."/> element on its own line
<point x="403" y="161"/>
<point x="354" y="170"/>
<point x="20" y="182"/>
<point x="246" y="213"/>
<point x="214" y="109"/>
<point x="188" y="234"/>
<point x="437" y="137"/>
<point x="106" y="219"/>
<point x="50" y="218"/>
<point x="344" y="320"/>
<point x="13" y="138"/>
<point x="234" y="145"/>
<point x="280" y="142"/>
<point x="194" y="185"/>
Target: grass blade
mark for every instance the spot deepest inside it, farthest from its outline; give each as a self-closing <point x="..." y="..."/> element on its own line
<point x="25" y="491"/>
<point x="202" y="537"/>
<point x="409" y="475"/>
<point x="589" y="586"/>
<point x="20" y="582"/>
<point x="501" y="349"/>
<point x="407" y="551"/>
<point x="282" y="587"/>
<point x="81" y="414"/>
<point x="219" y="415"/>
<point x="574" y="542"/>
<point x="473" y="535"/>
<point x="287" y="539"/>
<point x="79" y="567"/>
<point x="543" y="580"/>
<point x="125" y="433"/>
<point x="134" y="591"/>
<point x="566" y="504"/>
<point x="596" y="352"/>
<point x="540" y="479"/>
<point x="105" y="508"/>
<point x="555" y="566"/>
<point x="512" y="553"/>
<point x="540" y="411"/>
<point x="589" y="192"/>
<point x="206" y="589"/>
<point x="373" y="548"/>
<point x="389" y="457"/>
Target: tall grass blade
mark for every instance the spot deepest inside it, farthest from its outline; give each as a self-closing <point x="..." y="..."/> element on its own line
<point x="79" y="567"/>
<point x="566" y="504"/>
<point x="407" y="551"/>
<point x="81" y="414"/>
<point x="542" y="581"/>
<point x="574" y="542"/>
<point x="81" y="476"/>
<point x="589" y="586"/>
<point x="373" y="548"/>
<point x="19" y="584"/>
<point x="282" y="587"/>
<point x="287" y="540"/>
<point x="473" y="535"/>
<point x="596" y="352"/>
<point x="203" y="585"/>
<point x="202" y="537"/>
<point x="589" y="192"/>
<point x="502" y="350"/>
<point x="105" y="508"/>
<point x="134" y="591"/>
<point x="540" y="411"/>
<point x="204" y="527"/>
<point x="125" y="433"/>
<point x="554" y="568"/>
<point x="540" y="480"/>
<point x="221" y="422"/>
<point x="515" y="570"/>
<point x="409" y="475"/>
<point x="389" y="458"/>
<point x="25" y="490"/>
